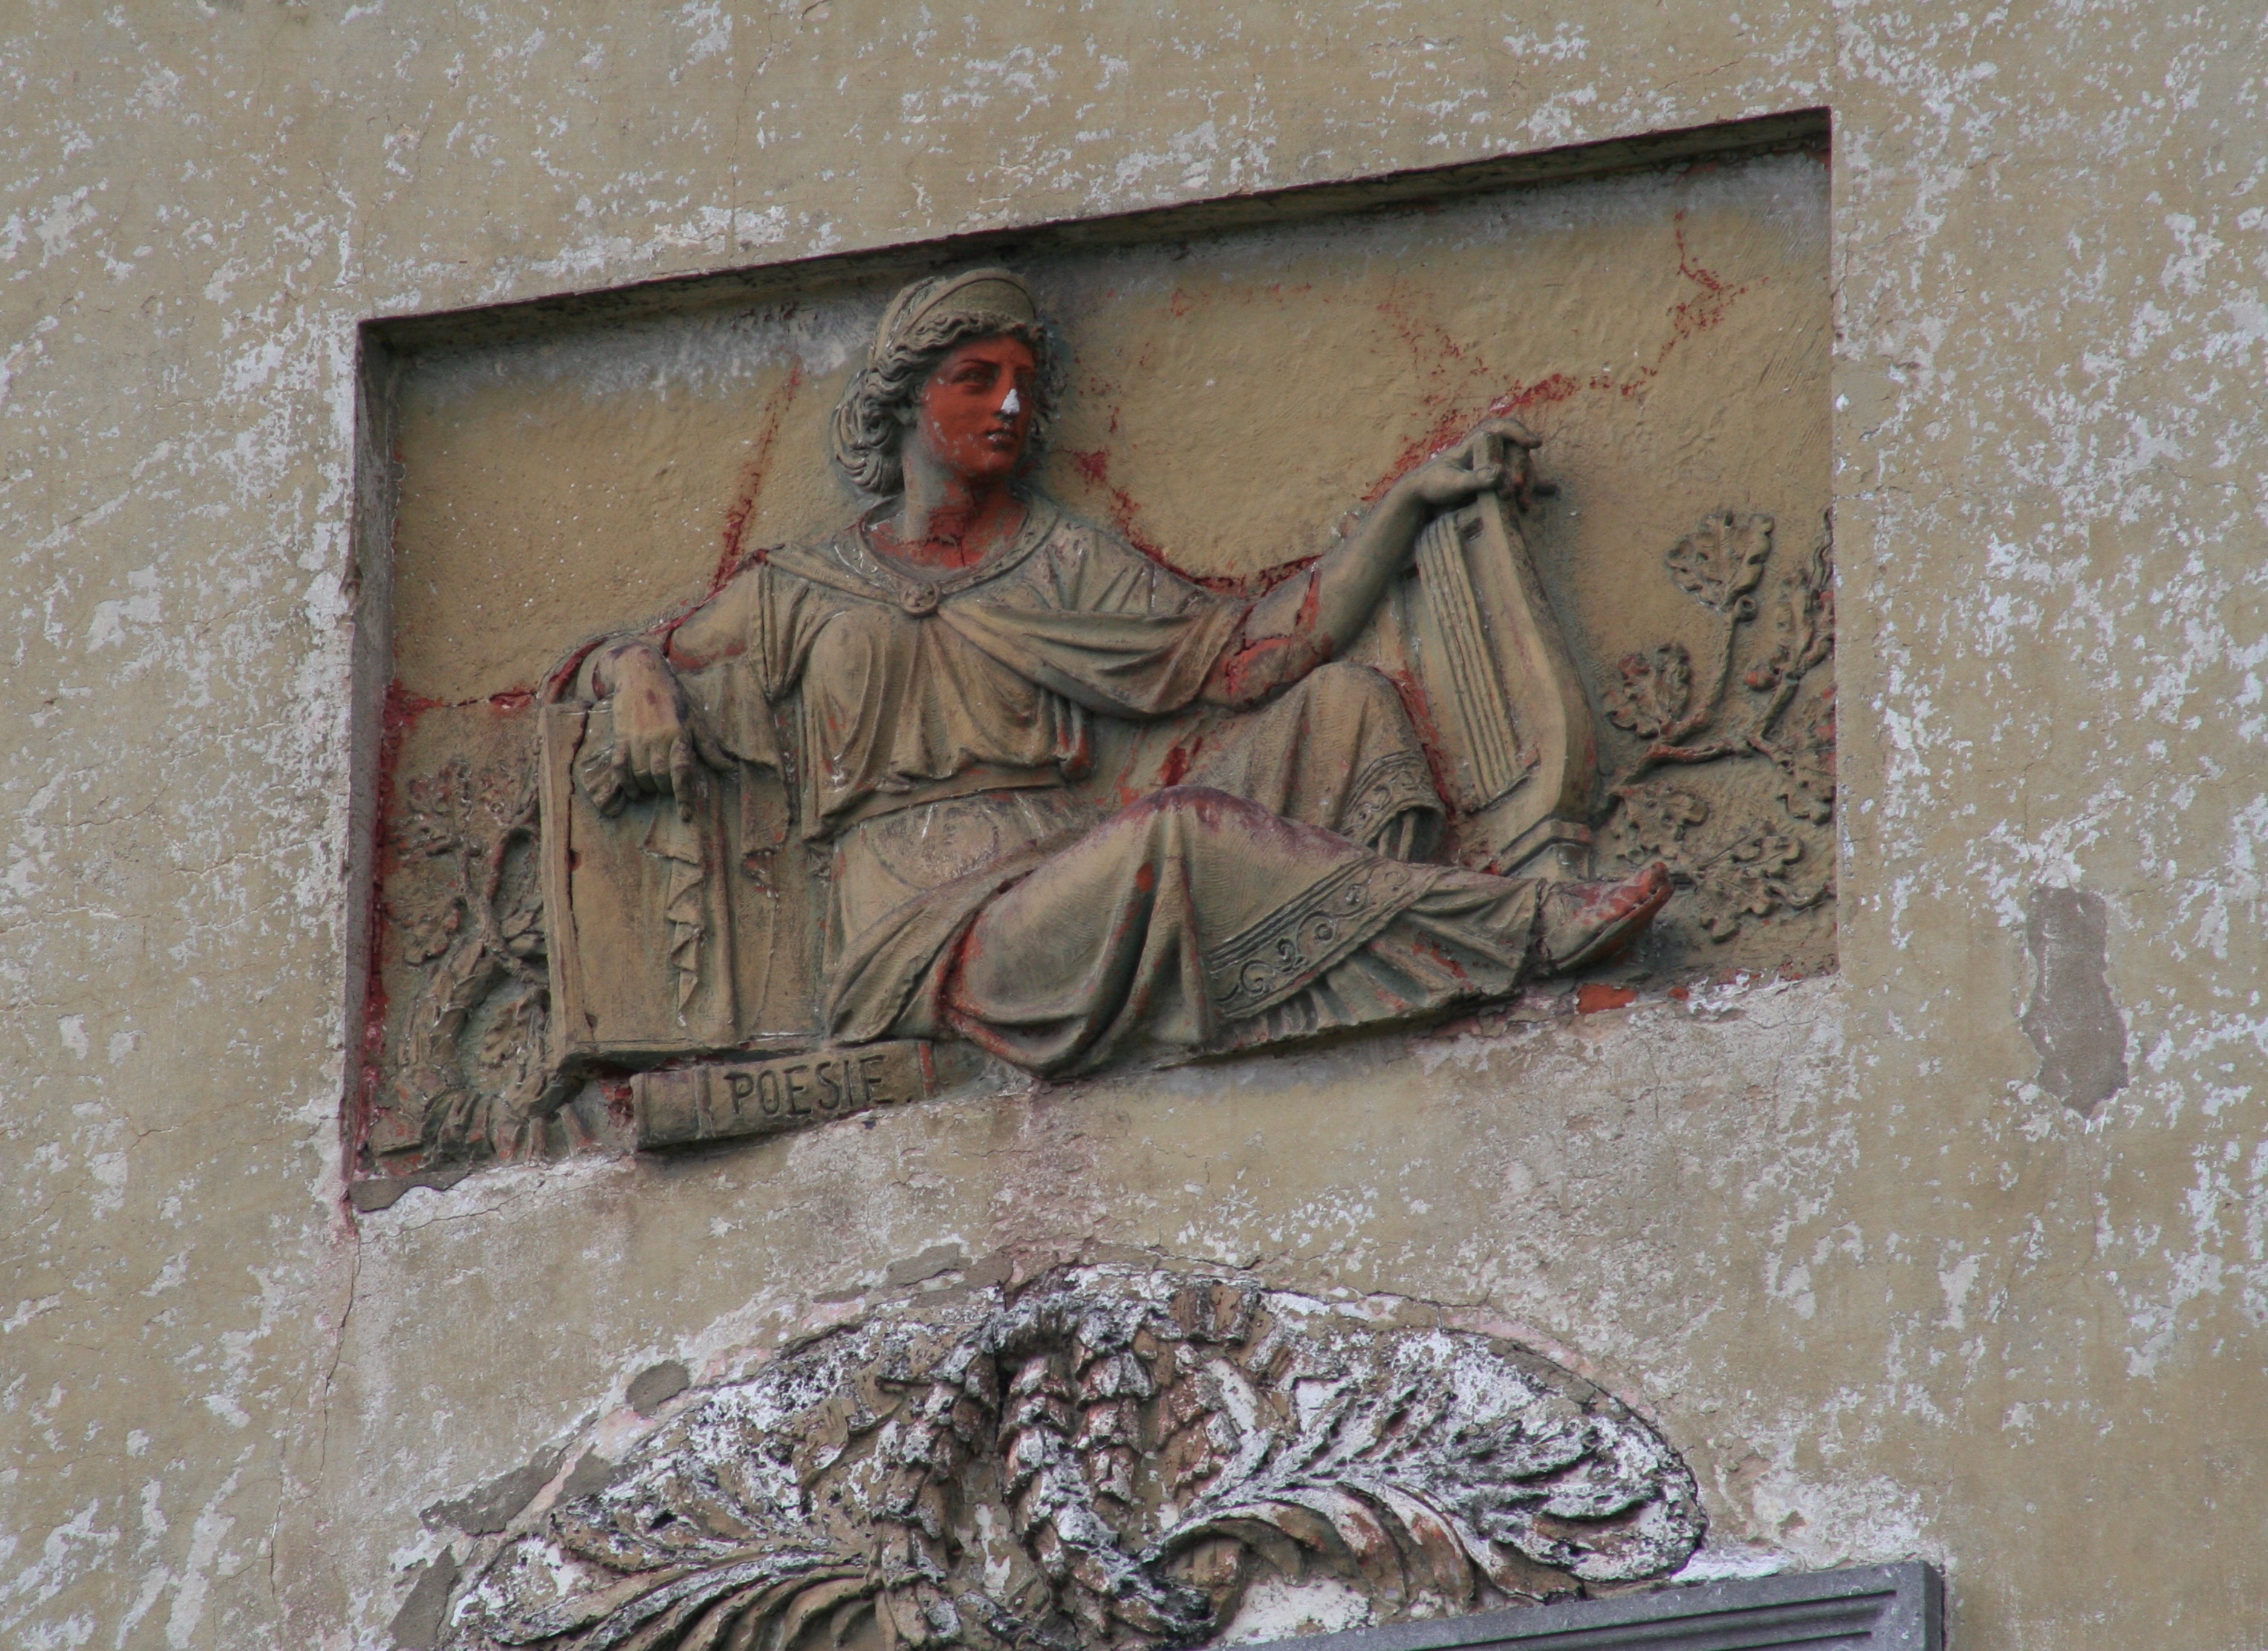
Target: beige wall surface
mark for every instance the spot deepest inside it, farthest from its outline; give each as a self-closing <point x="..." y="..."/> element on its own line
<point x="1841" y="1238"/>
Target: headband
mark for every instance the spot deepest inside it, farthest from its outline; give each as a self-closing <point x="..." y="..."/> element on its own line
<point x="991" y="295"/>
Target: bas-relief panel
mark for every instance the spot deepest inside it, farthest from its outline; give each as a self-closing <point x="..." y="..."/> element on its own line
<point x="1241" y="410"/>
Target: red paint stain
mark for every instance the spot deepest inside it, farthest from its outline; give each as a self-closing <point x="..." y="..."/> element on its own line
<point x="1434" y="949"/>
<point x="396" y="717"/>
<point x="1594" y="997"/>
<point x="1453" y="424"/>
<point x="364" y="1103"/>
<point x="1267" y="579"/>
<point x="1094" y="464"/>
<point x="1257" y="669"/>
<point x="620" y="1110"/>
<point x="1248" y="587"/>
<point x="1253" y="672"/>
<point x="1428" y="731"/>
<point x="1101" y="390"/>
<point x="730" y="555"/>
<point x="1693" y="272"/>
<point x="1702" y="312"/>
<point x="563" y="675"/>
<point x="1451" y="376"/>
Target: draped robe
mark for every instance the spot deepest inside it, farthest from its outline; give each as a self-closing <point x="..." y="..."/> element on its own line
<point x="941" y="721"/>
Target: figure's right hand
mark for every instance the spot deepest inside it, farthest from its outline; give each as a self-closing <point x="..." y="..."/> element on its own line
<point x="658" y="743"/>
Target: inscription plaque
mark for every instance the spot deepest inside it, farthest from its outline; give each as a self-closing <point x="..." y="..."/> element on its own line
<point x="679" y="1105"/>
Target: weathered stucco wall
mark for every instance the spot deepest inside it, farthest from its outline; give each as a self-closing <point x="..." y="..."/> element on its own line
<point x="1846" y="1241"/>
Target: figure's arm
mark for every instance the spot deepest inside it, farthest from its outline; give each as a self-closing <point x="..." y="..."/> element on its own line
<point x="658" y="740"/>
<point x="1303" y="622"/>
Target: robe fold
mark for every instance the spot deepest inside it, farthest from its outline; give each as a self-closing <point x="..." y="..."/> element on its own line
<point x="941" y="721"/>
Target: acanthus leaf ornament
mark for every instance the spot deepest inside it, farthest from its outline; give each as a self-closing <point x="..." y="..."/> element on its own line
<point x="1111" y="1458"/>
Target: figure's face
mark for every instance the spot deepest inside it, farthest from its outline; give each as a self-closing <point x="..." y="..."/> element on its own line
<point x="976" y="410"/>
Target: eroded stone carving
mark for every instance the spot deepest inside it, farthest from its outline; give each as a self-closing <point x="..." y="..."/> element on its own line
<point x="1741" y="862"/>
<point x="972" y="777"/>
<point x="1110" y="1458"/>
<point x="470" y="1068"/>
<point x="917" y="701"/>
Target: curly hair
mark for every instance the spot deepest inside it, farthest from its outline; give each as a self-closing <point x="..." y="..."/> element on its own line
<point x="872" y="418"/>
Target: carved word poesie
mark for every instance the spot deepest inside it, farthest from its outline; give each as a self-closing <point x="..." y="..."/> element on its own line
<point x="679" y="1104"/>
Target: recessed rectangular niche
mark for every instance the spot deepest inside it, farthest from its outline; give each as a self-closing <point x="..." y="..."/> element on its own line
<point x="1241" y="383"/>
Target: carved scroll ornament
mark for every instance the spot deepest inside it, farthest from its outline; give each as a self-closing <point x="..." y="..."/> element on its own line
<point x="1112" y="1457"/>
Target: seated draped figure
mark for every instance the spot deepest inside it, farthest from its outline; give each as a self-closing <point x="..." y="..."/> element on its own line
<point x="939" y="668"/>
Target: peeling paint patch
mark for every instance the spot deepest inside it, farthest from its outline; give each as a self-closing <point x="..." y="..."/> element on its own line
<point x="2072" y="1019"/>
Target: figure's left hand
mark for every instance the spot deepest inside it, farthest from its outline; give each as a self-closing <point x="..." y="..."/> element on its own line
<point x="1494" y="459"/>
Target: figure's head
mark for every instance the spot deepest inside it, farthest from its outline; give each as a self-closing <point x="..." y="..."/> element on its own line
<point x="961" y="364"/>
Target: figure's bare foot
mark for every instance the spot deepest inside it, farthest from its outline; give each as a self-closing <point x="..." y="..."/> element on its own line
<point x="1584" y="923"/>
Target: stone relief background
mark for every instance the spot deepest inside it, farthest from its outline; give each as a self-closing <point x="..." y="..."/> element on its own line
<point x="1894" y="1274"/>
<point x="1234" y="399"/>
